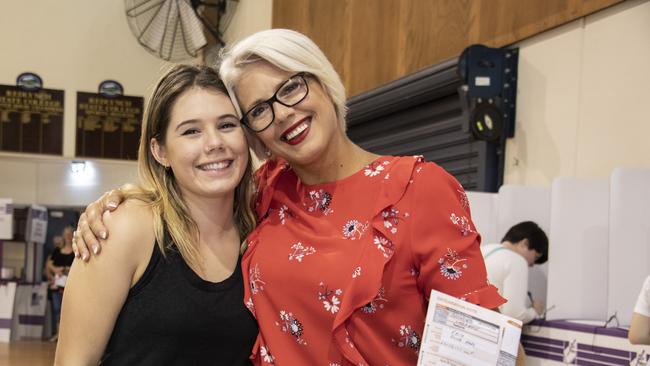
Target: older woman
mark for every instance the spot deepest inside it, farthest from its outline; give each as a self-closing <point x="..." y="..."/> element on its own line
<point x="349" y="244"/>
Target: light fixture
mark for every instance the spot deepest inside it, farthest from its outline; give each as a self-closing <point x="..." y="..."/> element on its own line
<point x="78" y="166"/>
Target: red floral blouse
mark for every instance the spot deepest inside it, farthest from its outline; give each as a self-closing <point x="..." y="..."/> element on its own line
<point x="340" y="273"/>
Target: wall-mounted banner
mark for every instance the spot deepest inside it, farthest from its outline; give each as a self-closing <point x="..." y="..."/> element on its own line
<point x="31" y="120"/>
<point x="108" y="127"/>
<point x="6" y="219"/>
<point x="36" y="229"/>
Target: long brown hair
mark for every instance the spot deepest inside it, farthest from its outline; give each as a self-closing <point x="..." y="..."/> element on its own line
<point x="158" y="185"/>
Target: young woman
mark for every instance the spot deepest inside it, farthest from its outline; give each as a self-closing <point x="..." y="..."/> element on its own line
<point x="169" y="291"/>
<point x="349" y="244"/>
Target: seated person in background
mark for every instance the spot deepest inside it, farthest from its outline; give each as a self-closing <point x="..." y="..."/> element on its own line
<point x="640" y="328"/>
<point x="507" y="265"/>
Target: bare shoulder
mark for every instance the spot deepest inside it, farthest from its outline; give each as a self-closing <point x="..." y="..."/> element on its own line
<point x="131" y="229"/>
<point x="132" y="217"/>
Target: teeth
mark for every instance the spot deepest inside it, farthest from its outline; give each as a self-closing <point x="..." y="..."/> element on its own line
<point x="214" y="166"/>
<point x="297" y="131"/>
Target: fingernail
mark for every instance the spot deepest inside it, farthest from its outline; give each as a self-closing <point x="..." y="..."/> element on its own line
<point x="76" y="254"/>
<point x="103" y="235"/>
<point x="111" y="204"/>
<point x="84" y="256"/>
<point x="95" y="248"/>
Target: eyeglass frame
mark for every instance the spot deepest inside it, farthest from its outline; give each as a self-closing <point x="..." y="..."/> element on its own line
<point x="274" y="98"/>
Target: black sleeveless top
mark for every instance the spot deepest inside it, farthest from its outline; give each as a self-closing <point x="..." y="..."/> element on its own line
<point x="173" y="317"/>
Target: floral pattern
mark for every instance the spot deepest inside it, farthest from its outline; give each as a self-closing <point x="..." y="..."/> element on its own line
<point x="391" y="218"/>
<point x="464" y="201"/>
<point x="375" y="168"/>
<point x="266" y="355"/>
<point x="284" y="213"/>
<point x="357" y="272"/>
<point x="300" y="251"/>
<point x="319" y="200"/>
<point x="385" y="246"/>
<point x="377" y="303"/>
<point x="290" y="324"/>
<point x="331" y="299"/>
<point x="250" y="305"/>
<point x="463" y="223"/>
<point x="451" y="265"/>
<point x="408" y="338"/>
<point x="255" y="279"/>
<point x="354" y="229"/>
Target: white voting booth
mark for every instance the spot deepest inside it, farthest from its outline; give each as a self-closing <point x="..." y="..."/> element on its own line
<point x="520" y="203"/>
<point x="22" y="306"/>
<point x="629" y="239"/>
<point x="578" y="275"/>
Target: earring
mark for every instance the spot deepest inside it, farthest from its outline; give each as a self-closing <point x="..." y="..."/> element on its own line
<point x="267" y="152"/>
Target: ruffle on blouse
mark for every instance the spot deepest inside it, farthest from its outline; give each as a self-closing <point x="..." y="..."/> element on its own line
<point x="487" y="297"/>
<point x="267" y="177"/>
<point x="364" y="288"/>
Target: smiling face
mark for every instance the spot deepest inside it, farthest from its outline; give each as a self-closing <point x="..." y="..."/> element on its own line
<point x="300" y="134"/>
<point x="204" y="145"/>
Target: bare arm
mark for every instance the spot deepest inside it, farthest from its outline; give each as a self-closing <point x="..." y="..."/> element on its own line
<point x="95" y="292"/>
<point x="639" y="329"/>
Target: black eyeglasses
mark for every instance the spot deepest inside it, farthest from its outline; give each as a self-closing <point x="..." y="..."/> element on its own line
<point x="290" y="93"/>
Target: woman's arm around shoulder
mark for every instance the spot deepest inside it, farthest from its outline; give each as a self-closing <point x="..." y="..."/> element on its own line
<point x="96" y="291"/>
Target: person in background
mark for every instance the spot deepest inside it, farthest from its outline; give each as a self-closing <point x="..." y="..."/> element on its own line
<point x="169" y="291"/>
<point x="57" y="242"/>
<point x="523" y="246"/>
<point x="58" y="265"/>
<point x="639" y="332"/>
<point x="349" y="244"/>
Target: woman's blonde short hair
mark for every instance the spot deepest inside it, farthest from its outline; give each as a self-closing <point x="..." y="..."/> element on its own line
<point x="289" y="51"/>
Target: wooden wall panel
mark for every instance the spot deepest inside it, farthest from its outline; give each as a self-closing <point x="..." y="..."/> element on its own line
<point x="433" y="31"/>
<point x="371" y="47"/>
<point x="372" y="42"/>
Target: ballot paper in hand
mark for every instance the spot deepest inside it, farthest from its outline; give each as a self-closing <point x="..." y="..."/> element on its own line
<point x="460" y="333"/>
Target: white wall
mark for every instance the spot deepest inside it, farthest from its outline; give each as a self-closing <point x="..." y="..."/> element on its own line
<point x="582" y="98"/>
<point x="74" y="45"/>
<point x="251" y="16"/>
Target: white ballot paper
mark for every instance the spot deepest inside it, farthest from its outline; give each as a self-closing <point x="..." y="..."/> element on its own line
<point x="459" y="333"/>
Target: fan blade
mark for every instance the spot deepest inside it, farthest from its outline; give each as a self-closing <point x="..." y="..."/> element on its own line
<point x="193" y="37"/>
<point x="136" y="10"/>
<point x="170" y="29"/>
<point x="152" y="34"/>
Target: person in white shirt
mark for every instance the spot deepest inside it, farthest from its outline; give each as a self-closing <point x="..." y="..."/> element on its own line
<point x="524" y="245"/>
<point x="640" y="327"/>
